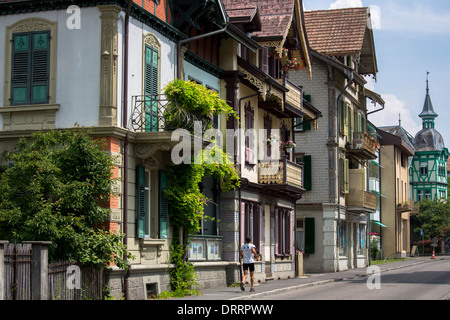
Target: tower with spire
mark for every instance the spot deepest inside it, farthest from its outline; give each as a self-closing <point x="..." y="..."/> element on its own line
<point x="428" y="169"/>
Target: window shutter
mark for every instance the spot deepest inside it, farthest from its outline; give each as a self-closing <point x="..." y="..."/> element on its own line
<point x="346" y="176"/>
<point x="264" y="58"/>
<point x="257" y="227"/>
<point x="359" y="122"/>
<point x="307" y="172"/>
<point x="140" y="201"/>
<point x="289" y="233"/>
<point x="151" y="88"/>
<point x="309" y="235"/>
<point x="242" y="223"/>
<point x="30" y="68"/>
<point x="351" y="123"/>
<point x="346" y="118"/>
<point x="306" y="125"/>
<point x="277" y="221"/>
<point x="20" y="69"/>
<point x="163" y="207"/>
<point x="40" y="63"/>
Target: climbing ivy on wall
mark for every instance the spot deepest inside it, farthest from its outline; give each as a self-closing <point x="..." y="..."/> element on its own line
<point x="183" y="193"/>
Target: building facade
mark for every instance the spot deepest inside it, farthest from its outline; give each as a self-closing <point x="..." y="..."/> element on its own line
<point x="396" y="153"/>
<point x="428" y="169"/>
<point x="267" y="102"/>
<point x="104" y="66"/>
<point x="333" y="215"/>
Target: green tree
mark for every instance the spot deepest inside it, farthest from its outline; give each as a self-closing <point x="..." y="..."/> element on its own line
<point x="53" y="189"/>
<point x="433" y="217"/>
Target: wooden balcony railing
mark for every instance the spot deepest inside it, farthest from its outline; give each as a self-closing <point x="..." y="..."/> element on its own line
<point x="364" y="200"/>
<point x="358" y="199"/>
<point x="281" y="172"/>
<point x="363" y="145"/>
<point x="294" y="97"/>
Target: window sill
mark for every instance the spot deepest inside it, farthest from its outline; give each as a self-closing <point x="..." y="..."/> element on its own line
<point x="29" y="117"/>
<point x="31" y="107"/>
<point x="145" y="242"/>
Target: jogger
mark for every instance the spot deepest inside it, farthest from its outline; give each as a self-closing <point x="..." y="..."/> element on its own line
<point x="248" y="255"/>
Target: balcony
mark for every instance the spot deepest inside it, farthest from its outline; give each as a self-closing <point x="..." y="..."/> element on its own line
<point x="149" y="114"/>
<point x="277" y="96"/>
<point x="358" y="199"/>
<point x="362" y="146"/>
<point x="152" y="130"/>
<point x="281" y="177"/>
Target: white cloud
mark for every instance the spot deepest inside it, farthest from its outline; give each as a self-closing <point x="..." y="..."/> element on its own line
<point x="375" y="12"/>
<point x="394" y="110"/>
<point x="375" y="16"/>
<point x="339" y="4"/>
<point x="416" y="16"/>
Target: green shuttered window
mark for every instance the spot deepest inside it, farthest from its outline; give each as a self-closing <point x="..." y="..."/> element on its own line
<point x="143" y="208"/>
<point x="151" y="88"/>
<point x="307" y="172"/>
<point x="30" y="68"/>
<point x="309" y="235"/>
<point x="140" y="202"/>
<point x="163" y="207"/>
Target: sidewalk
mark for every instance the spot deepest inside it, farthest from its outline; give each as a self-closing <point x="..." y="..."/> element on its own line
<point x="278" y="286"/>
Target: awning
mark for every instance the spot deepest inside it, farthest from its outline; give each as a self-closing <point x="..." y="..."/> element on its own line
<point x="375" y="162"/>
<point x="378" y="194"/>
<point x="379" y="223"/>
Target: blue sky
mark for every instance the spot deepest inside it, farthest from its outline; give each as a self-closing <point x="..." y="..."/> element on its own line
<point x="411" y="38"/>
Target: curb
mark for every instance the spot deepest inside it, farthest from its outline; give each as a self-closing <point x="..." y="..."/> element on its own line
<point x="291" y="288"/>
<point x="320" y="282"/>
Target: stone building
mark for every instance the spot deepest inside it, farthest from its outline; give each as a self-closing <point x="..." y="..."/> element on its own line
<point x="333" y="215"/>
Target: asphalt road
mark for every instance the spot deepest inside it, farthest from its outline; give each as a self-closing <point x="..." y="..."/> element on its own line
<point x="428" y="281"/>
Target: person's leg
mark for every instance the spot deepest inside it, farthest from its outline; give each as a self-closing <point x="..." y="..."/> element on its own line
<point x="244" y="277"/>
<point x="252" y="277"/>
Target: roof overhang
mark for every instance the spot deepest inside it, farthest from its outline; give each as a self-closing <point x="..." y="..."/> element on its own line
<point x="375" y="97"/>
<point x="388" y="138"/>
<point x="242" y="38"/>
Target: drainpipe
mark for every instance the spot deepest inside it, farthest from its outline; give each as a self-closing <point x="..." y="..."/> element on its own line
<point x="125" y="155"/>
<point x="183" y="41"/>
<point x="338" y="129"/>
<point x="382" y="107"/>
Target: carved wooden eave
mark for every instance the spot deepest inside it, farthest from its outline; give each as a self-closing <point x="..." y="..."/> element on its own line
<point x="300" y="53"/>
<point x="268" y="88"/>
<point x="154" y="148"/>
<point x="303" y="39"/>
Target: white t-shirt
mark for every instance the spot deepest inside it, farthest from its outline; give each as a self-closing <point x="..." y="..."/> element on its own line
<point x="248" y="252"/>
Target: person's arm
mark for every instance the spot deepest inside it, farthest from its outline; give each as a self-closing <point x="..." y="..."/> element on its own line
<point x="255" y="254"/>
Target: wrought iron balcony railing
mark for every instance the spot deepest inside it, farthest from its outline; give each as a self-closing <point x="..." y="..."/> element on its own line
<point x="149" y="113"/>
<point x="153" y="113"/>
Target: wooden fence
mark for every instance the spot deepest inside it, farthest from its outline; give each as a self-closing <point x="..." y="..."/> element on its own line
<point x="19" y="263"/>
<point x="18" y="271"/>
<point x="69" y="281"/>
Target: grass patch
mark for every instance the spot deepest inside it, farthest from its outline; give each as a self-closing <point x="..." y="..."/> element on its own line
<point x="374" y="262"/>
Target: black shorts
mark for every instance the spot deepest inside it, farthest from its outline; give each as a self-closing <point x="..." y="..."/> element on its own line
<point x="249" y="266"/>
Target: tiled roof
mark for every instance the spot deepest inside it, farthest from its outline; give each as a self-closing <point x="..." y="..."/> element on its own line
<point x="242" y="14"/>
<point x="336" y="32"/>
<point x="276" y="15"/>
